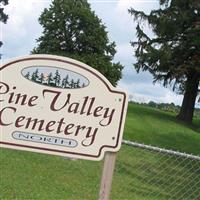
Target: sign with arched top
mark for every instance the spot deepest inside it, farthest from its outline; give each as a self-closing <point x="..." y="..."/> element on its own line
<point x="60" y="106"/>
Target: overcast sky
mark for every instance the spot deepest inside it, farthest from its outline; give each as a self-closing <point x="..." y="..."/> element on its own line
<point x="22" y="29"/>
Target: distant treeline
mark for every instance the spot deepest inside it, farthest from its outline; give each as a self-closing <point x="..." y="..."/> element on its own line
<point x="170" y="107"/>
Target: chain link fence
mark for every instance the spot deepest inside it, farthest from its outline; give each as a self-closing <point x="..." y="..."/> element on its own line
<point x="141" y="173"/>
<point x="145" y="172"/>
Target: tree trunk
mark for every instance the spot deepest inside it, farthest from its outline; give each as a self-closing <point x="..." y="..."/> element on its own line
<point x="187" y="108"/>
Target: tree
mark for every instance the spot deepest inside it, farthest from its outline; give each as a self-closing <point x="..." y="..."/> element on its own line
<point x="72" y="85"/>
<point x="78" y="83"/>
<point x="72" y="29"/>
<point x="35" y="75"/>
<point x="172" y="54"/>
<point x="3" y="16"/>
<point x="49" y="79"/>
<point x="41" y="78"/>
<point x="65" y="82"/>
<point x="27" y="75"/>
<point x="57" y="78"/>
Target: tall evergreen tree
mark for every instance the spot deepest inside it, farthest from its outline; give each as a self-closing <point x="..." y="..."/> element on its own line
<point x="78" y="83"/>
<point x="49" y="79"/>
<point x="172" y="55"/>
<point x="72" y="29"/>
<point x="72" y="84"/>
<point x="41" y="78"/>
<point x="3" y="16"/>
<point x="35" y="75"/>
<point x="27" y="75"/>
<point x="57" y="78"/>
<point x="65" y="81"/>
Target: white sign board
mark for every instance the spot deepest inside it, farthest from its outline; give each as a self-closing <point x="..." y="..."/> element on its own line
<point x="56" y="105"/>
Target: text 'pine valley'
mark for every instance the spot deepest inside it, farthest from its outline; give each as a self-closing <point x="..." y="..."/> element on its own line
<point x="55" y="101"/>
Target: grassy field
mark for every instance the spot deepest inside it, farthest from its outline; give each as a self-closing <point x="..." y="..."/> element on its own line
<point x="152" y="126"/>
<point x="25" y="175"/>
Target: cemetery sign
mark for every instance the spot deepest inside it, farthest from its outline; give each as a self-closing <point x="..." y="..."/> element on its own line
<point x="56" y="105"/>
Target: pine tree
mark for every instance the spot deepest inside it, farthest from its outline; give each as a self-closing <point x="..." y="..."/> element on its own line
<point x="78" y="83"/>
<point x="49" y="79"/>
<point x="172" y="55"/>
<point x="35" y="76"/>
<point x="41" y="78"/>
<point x="65" y="82"/>
<point x="3" y="16"/>
<point x="57" y="78"/>
<point x="27" y="75"/>
<point x="71" y="29"/>
<point x="72" y="84"/>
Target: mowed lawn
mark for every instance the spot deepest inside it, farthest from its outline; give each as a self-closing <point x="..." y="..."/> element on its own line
<point x="159" y="128"/>
<point x="26" y="175"/>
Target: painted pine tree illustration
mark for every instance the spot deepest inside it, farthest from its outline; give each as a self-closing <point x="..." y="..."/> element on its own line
<point x="57" y="78"/>
<point x="35" y="76"/>
<point x="65" y="81"/>
<point x="27" y="75"/>
<point x="41" y="78"/>
<point x="49" y="79"/>
<point x="77" y="84"/>
<point x="72" y="83"/>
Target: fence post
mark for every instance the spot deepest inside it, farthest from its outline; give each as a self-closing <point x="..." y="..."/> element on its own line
<point x="107" y="175"/>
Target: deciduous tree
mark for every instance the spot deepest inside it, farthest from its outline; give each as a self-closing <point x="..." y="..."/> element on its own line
<point x="71" y="28"/>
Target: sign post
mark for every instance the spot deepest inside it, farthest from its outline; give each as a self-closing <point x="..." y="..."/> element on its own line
<point x="60" y="106"/>
<point x="107" y="175"/>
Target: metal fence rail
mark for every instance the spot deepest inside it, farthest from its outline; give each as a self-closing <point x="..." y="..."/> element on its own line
<point x="153" y="173"/>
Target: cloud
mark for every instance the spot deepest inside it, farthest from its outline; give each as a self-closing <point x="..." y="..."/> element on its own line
<point x="144" y="5"/>
<point x="143" y="92"/>
<point x="22" y="27"/>
<point x="124" y="52"/>
<point x="124" y="5"/>
<point x="139" y="85"/>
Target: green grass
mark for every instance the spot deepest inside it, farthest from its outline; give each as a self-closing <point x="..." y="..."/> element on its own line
<point x="146" y="175"/>
<point x="152" y="126"/>
<point x="25" y="175"/>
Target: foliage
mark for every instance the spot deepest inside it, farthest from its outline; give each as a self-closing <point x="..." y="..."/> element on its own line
<point x="175" y="49"/>
<point x="3" y="16"/>
<point x="170" y="107"/>
<point x="72" y="29"/>
<point x="172" y="54"/>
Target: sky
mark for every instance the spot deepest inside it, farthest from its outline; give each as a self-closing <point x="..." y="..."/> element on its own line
<point x="22" y="29"/>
